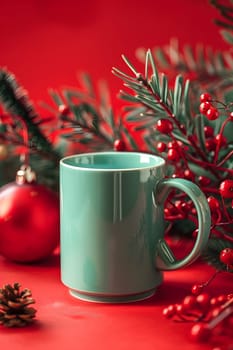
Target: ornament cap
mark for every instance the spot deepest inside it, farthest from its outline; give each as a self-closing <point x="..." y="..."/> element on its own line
<point x="25" y="175"/>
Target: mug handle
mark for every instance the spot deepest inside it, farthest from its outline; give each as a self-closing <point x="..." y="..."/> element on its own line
<point x="165" y="259"/>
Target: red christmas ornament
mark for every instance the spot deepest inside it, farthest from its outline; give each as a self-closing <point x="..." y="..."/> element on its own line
<point x="29" y="219"/>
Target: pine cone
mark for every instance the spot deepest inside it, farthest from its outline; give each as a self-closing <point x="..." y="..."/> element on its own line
<point x="14" y="306"/>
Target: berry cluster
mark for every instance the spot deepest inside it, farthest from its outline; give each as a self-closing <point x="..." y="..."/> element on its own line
<point x="211" y="315"/>
<point x="207" y="108"/>
<point x="216" y="181"/>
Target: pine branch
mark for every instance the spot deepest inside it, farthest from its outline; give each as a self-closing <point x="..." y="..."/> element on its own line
<point x="151" y="92"/>
<point x="90" y="115"/>
<point x="15" y="101"/>
<point x="202" y="65"/>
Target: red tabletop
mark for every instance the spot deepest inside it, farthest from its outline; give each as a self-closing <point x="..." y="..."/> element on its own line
<point x="67" y="323"/>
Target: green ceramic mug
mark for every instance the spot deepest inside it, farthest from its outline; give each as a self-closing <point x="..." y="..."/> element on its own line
<point x="112" y="225"/>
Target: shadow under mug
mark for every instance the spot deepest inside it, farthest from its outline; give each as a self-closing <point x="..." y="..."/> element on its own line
<point x="112" y="225"/>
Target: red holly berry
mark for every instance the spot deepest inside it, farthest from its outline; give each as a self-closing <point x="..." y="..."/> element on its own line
<point x="119" y="145"/>
<point x="203" y="300"/>
<point x="173" y="144"/>
<point x="226" y="256"/>
<point x="205" y="97"/>
<point x="231" y="116"/>
<point x="200" y="332"/>
<point x="203" y="180"/>
<point x="188" y="174"/>
<point x="63" y="109"/>
<point x="219" y="138"/>
<point x="197" y="289"/>
<point x="161" y="146"/>
<point x="173" y="154"/>
<point x="164" y="126"/>
<point x="204" y="106"/>
<point x="210" y="144"/>
<point x="212" y="113"/>
<point x="222" y="298"/>
<point x="209" y="131"/>
<point x="213" y="203"/>
<point x="189" y="302"/>
<point x="226" y="189"/>
<point x="179" y="309"/>
<point x="169" y="311"/>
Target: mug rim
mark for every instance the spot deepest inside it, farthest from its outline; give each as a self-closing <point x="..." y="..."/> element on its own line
<point x="63" y="160"/>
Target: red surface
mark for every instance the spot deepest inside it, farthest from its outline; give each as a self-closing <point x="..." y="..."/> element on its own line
<point x="64" y="322"/>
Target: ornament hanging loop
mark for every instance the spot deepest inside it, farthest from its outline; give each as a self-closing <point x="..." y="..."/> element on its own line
<point x="25" y="174"/>
<point x="25" y="156"/>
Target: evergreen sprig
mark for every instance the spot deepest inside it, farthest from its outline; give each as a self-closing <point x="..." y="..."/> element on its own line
<point x="16" y="102"/>
<point x="152" y="99"/>
<point x="203" y="65"/>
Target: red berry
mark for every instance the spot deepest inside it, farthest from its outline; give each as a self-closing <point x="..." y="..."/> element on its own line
<point x="197" y="289"/>
<point x="214" y="301"/>
<point x="204" y="106"/>
<point x="203" y="300"/>
<point x="231" y="116"/>
<point x="203" y="180"/>
<point x="213" y="203"/>
<point x="179" y="309"/>
<point x="173" y="154"/>
<point x="226" y="256"/>
<point x="189" y="302"/>
<point x="209" y="131"/>
<point x="200" y="332"/>
<point x="212" y="113"/>
<point x="169" y="311"/>
<point x="222" y="298"/>
<point x="63" y="109"/>
<point x="226" y="189"/>
<point x="215" y="312"/>
<point x="182" y="206"/>
<point x="119" y="145"/>
<point x="188" y="174"/>
<point x="210" y="144"/>
<point x="164" y="126"/>
<point x="161" y="147"/>
<point x="219" y="138"/>
<point x="174" y="144"/>
<point x="205" y="97"/>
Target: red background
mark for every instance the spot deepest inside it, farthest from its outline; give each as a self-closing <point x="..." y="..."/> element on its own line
<point x="46" y="42"/>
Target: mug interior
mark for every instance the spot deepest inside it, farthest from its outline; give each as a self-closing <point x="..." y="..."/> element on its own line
<point x="113" y="161"/>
